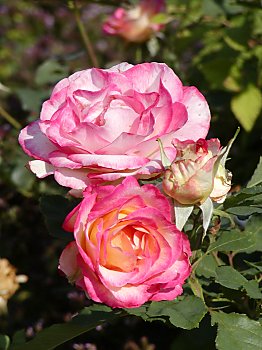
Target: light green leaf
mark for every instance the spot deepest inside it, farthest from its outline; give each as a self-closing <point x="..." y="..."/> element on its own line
<point x="58" y="334"/>
<point x="50" y="71"/>
<point x="196" y="287"/>
<point x="231" y="278"/>
<point x="161" y="18"/>
<point x="211" y="8"/>
<point x="31" y="99"/>
<point x="4" y="342"/>
<point x="186" y="313"/>
<point x="237" y="331"/>
<point x="246" y="106"/>
<point x="257" y="176"/>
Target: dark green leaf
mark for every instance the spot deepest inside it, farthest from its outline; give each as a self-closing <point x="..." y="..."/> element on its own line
<point x="58" y="334"/>
<point x="231" y="278"/>
<point x="55" y="209"/>
<point x="19" y="338"/>
<point x="186" y="313"/>
<point x="257" y="266"/>
<point x="254" y="228"/>
<point x="257" y="176"/>
<point x="138" y="311"/>
<point x="4" y="342"/>
<point x="207" y="267"/>
<point x="234" y="240"/>
<point x="236" y="331"/>
<point x="244" y="210"/>
<point x="245" y="198"/>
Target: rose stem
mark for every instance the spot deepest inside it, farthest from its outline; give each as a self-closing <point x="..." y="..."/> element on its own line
<point x="84" y="34"/>
<point x="10" y="119"/>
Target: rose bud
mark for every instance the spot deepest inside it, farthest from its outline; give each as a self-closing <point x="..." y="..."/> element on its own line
<point x="135" y="24"/>
<point x="191" y="177"/>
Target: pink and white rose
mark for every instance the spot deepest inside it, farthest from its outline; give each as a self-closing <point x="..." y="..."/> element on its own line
<point x="135" y="24"/>
<point x="196" y="173"/>
<point x="126" y="251"/>
<point x="101" y="125"/>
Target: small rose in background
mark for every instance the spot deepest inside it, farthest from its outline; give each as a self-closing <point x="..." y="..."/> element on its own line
<point x="9" y="283"/>
<point x="135" y="24"/>
<point x="126" y="251"/>
<point x="101" y="125"/>
<point x="195" y="173"/>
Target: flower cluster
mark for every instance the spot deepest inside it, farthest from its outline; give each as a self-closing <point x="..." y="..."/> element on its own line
<point x="97" y="134"/>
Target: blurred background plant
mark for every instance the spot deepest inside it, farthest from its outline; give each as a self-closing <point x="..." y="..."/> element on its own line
<point x="214" y="45"/>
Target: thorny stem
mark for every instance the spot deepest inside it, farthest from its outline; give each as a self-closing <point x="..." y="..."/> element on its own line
<point x="11" y="120"/>
<point x="85" y="37"/>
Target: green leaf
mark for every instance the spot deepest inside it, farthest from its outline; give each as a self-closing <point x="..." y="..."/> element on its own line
<point x="196" y="287"/>
<point x="211" y="8"/>
<point x="31" y="99"/>
<point x="4" y="342"/>
<point x="254" y="228"/>
<point x="186" y="313"/>
<point x="55" y="208"/>
<point x="246" y="202"/>
<point x="236" y="331"/>
<point x="50" y="71"/>
<point x="244" y="210"/>
<point x="246" y="106"/>
<point x="231" y="278"/>
<point x="19" y="338"/>
<point x="234" y="240"/>
<point x="160" y="18"/>
<point x="207" y="267"/>
<point x="257" y="266"/>
<point x="138" y="311"/>
<point x="58" y="334"/>
<point x="257" y="176"/>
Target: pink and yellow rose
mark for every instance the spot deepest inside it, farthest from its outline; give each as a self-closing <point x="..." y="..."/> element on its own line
<point x="101" y="125"/>
<point x="135" y="24"/>
<point x="196" y="173"/>
<point x="126" y="251"/>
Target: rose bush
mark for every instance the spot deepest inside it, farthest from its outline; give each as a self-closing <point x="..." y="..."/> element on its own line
<point x="101" y="125"/>
<point x="126" y="250"/>
<point x="196" y="173"/>
<point x="135" y="24"/>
